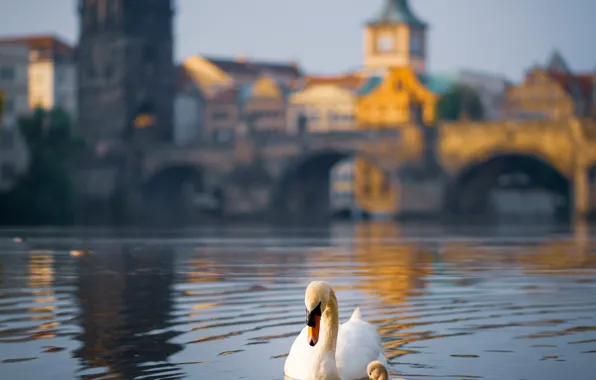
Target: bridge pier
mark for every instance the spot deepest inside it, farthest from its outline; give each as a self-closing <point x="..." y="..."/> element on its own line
<point x="581" y="193"/>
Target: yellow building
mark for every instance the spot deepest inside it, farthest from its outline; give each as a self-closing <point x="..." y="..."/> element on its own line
<point x="207" y="76"/>
<point x="549" y="94"/>
<point x="327" y="107"/>
<point x="263" y="105"/>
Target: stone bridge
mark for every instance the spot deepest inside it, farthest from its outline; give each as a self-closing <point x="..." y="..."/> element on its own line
<point x="289" y="174"/>
<point x="281" y="173"/>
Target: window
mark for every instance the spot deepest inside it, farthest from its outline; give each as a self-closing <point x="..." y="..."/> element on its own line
<point x="416" y="44"/>
<point x="385" y="44"/>
<point x="7" y="73"/>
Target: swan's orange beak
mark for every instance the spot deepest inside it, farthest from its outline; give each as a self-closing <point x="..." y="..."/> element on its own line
<point x="313" y="331"/>
<point x="313" y="321"/>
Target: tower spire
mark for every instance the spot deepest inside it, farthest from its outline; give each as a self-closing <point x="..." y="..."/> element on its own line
<point x="397" y="12"/>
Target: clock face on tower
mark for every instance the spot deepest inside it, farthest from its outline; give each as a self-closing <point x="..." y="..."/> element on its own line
<point x="385" y="44"/>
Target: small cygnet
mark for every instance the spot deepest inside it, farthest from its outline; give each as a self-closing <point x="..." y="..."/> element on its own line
<point x="377" y="371"/>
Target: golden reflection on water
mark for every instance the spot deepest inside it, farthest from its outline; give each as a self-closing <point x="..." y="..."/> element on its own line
<point x="41" y="281"/>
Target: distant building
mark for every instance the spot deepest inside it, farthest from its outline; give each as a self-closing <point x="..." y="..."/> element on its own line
<point x="14" y="87"/>
<point x="323" y="107"/>
<point x="491" y="88"/>
<point x="52" y="72"/>
<point x="246" y="71"/>
<point x="263" y="105"/>
<point x="189" y="109"/>
<point x="342" y="186"/>
<point x="222" y="115"/>
<point x="551" y="92"/>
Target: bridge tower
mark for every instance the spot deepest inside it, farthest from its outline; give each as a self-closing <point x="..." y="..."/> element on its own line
<point x="126" y="70"/>
<point x="126" y="84"/>
<point x="395" y="37"/>
<point x="394" y="55"/>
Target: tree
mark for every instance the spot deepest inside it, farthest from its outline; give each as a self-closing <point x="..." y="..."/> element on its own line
<point x="460" y="102"/>
<point x="45" y="194"/>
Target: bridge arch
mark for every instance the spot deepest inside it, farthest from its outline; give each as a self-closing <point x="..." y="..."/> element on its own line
<point x="303" y="190"/>
<point x="480" y="188"/>
<point x="171" y="192"/>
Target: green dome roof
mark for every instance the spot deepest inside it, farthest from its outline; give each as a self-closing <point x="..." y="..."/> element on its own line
<point x="397" y="12"/>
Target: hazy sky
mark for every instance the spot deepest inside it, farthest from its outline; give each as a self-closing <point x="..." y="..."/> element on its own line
<point x="499" y="36"/>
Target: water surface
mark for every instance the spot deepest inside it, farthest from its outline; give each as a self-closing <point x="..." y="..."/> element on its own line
<point x="450" y="303"/>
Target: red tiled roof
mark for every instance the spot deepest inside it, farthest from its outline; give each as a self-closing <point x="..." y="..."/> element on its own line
<point x="583" y="83"/>
<point x="227" y="95"/>
<point x="248" y="67"/>
<point x="350" y="81"/>
<point x="40" y="42"/>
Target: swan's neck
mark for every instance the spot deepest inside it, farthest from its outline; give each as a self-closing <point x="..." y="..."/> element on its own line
<point x="330" y="321"/>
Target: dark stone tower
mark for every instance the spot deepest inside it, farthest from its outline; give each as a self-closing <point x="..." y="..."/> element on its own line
<point x="126" y="69"/>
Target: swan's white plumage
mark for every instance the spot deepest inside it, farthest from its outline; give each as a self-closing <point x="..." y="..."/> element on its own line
<point x="358" y="343"/>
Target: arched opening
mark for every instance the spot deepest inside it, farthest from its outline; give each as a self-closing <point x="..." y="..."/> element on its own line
<point x="510" y="186"/>
<point x="177" y="195"/>
<point x="321" y="187"/>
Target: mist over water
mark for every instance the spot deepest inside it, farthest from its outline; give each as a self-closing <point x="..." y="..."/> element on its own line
<point x="516" y="302"/>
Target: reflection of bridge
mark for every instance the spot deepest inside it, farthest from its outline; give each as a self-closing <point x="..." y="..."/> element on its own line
<point x="289" y="174"/>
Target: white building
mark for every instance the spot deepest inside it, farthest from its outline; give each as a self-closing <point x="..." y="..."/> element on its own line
<point x="14" y="63"/>
<point x="189" y="109"/>
<point x="490" y="87"/>
<point x="52" y="72"/>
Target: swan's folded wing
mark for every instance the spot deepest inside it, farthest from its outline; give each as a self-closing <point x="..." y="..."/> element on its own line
<point x="300" y="356"/>
<point x="358" y="344"/>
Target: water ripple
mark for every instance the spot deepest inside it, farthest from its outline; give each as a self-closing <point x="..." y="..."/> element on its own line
<point x="229" y="308"/>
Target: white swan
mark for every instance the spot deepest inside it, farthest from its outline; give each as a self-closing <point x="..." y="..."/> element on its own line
<point x="324" y="350"/>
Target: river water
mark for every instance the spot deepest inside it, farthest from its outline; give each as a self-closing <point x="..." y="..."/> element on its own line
<point x="450" y="302"/>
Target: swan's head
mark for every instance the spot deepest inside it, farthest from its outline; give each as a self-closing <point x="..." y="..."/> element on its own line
<point x="316" y="300"/>
<point x="377" y="371"/>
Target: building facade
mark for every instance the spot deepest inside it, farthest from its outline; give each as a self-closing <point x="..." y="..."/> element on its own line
<point x="552" y="91"/>
<point x="189" y="109"/>
<point x="490" y="88"/>
<point x="549" y="95"/>
<point x="52" y="73"/>
<point x="222" y="116"/>
<point x="14" y="63"/>
<point x="14" y="87"/>
<point x="126" y="77"/>
<point x="324" y="107"/>
<point x="263" y="105"/>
